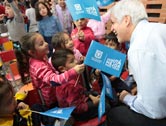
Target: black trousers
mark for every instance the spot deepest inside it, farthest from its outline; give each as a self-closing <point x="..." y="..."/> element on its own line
<point x="124" y="116"/>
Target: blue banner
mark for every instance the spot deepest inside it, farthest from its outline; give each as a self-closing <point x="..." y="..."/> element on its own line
<point x="108" y="86"/>
<point x="62" y="113"/>
<point x="105" y="59"/>
<point x="101" y="108"/>
<point x="101" y="3"/>
<point x="83" y="9"/>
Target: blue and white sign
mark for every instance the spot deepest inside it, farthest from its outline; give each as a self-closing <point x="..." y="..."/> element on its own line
<point x="62" y="113"/>
<point x="83" y="9"/>
<point x="108" y="86"/>
<point x="106" y="90"/>
<point x="105" y="59"/>
<point x="101" y="3"/>
<point x="101" y="107"/>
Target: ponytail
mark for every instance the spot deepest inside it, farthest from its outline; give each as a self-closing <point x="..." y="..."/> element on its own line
<point x="23" y="64"/>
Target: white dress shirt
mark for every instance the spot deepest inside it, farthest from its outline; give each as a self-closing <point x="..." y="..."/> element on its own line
<point x="147" y="62"/>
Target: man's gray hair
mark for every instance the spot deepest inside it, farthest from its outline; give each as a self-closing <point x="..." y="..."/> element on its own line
<point x="133" y="8"/>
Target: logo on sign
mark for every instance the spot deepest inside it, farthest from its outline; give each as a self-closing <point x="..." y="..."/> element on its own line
<point x="113" y="63"/>
<point x="78" y="9"/>
<point x="97" y="56"/>
<point x="58" y="111"/>
<point x="91" y="11"/>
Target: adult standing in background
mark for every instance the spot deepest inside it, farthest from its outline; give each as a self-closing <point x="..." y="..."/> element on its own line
<point x="147" y="63"/>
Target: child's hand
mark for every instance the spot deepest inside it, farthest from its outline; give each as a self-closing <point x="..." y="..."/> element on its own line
<point x="24" y="110"/>
<point x="2" y="16"/>
<point x="81" y="59"/>
<point x="134" y="91"/>
<point x="95" y="99"/>
<point x="112" y="78"/>
<point x="97" y="72"/>
<point x="81" y="35"/>
<point x="22" y="105"/>
<point x="122" y="95"/>
<point x="79" y="68"/>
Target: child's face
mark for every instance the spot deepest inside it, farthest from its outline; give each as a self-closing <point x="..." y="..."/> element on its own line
<point x="9" y="104"/>
<point x="41" y="47"/>
<point x="43" y="10"/>
<point x="9" y="12"/>
<point x="81" y="23"/>
<point x="62" y="3"/>
<point x="111" y="44"/>
<point x="70" y="62"/>
<point x="68" y="42"/>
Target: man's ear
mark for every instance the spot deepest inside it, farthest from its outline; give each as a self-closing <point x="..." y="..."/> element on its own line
<point x="127" y="20"/>
<point x="61" y="69"/>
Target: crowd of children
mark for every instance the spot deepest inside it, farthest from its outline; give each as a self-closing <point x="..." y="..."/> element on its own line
<point x="51" y="50"/>
<point x="73" y="93"/>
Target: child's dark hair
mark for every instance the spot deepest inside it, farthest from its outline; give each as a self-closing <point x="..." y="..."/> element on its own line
<point x="32" y="3"/>
<point x="38" y="16"/>
<point x="58" y="40"/>
<point x="5" y="89"/>
<point x="111" y="36"/>
<point x="59" y="57"/>
<point x="6" y="4"/>
<point x="27" y="43"/>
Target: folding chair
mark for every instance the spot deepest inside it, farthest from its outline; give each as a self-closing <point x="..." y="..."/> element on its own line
<point x="8" y="45"/>
<point x="2" y="40"/>
<point x="34" y="95"/>
<point x="14" y="69"/>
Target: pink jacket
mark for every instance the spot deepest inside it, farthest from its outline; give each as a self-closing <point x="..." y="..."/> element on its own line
<point x="82" y="46"/>
<point x="41" y="73"/>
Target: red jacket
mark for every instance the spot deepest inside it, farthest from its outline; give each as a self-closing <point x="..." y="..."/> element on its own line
<point x="83" y="46"/>
<point x="73" y="94"/>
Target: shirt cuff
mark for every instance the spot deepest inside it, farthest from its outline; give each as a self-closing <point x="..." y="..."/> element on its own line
<point x="129" y="99"/>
